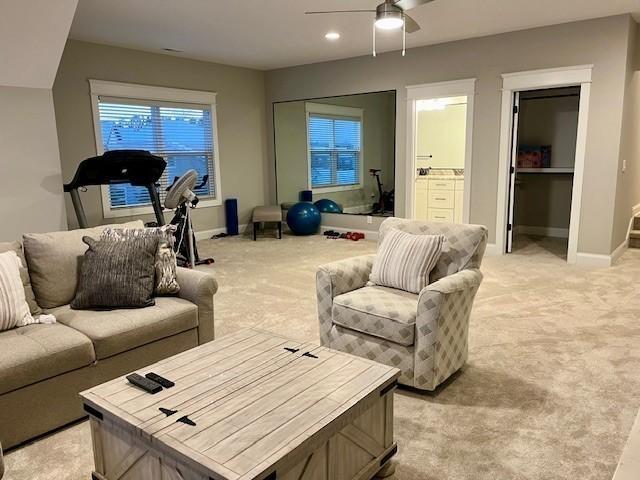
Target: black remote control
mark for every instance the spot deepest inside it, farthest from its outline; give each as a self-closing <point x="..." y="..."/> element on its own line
<point x="145" y="384"/>
<point x="161" y="380"/>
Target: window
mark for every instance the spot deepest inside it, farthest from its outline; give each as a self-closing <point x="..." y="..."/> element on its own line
<point x="178" y="127"/>
<point x="335" y="147"/>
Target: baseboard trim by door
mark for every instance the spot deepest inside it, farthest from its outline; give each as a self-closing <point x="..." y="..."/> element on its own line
<point x="556" y="232"/>
<point x="598" y="260"/>
<point x="492" y="250"/>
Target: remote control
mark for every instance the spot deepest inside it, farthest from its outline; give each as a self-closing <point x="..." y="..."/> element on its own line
<point x="145" y="384"/>
<point x="161" y="380"/>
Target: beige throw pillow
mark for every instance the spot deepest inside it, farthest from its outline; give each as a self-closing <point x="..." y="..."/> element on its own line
<point x="34" y="308"/>
<point x="14" y="311"/>
<point x="404" y="260"/>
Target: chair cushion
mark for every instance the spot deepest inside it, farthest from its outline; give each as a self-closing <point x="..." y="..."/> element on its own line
<point x="379" y="311"/>
<point x="267" y="214"/>
<point x="463" y="249"/>
<point x="53" y="260"/>
<point x="36" y="352"/>
<point x="116" y="331"/>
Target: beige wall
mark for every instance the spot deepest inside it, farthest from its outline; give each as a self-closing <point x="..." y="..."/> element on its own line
<point x="601" y="42"/>
<point x="378" y="147"/>
<point x="628" y="182"/>
<point x="240" y="108"/>
<point x="30" y="178"/>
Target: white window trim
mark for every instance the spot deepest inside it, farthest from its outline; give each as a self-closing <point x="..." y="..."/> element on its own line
<point x="144" y="92"/>
<point x="326" y="109"/>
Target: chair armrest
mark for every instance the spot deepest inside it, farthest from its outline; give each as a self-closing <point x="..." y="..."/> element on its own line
<point x="442" y="326"/>
<point x="199" y="287"/>
<point x="334" y="279"/>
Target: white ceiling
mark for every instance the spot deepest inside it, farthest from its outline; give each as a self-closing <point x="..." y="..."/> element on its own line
<point x="32" y="38"/>
<point x="268" y="34"/>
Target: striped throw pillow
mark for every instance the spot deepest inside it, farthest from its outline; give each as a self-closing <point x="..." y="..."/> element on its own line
<point x="14" y="310"/>
<point x="404" y="260"/>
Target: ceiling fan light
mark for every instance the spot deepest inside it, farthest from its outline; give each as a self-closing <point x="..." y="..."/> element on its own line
<point x="389" y="21"/>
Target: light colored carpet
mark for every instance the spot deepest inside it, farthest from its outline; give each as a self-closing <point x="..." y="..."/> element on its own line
<point x="550" y="391"/>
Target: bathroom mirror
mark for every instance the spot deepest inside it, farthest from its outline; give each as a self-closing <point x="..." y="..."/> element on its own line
<point x="338" y="152"/>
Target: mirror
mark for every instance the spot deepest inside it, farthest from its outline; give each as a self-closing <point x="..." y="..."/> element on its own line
<point x="338" y="152"/>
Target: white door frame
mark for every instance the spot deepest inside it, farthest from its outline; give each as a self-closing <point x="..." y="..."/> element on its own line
<point x="426" y="91"/>
<point x="531" y="80"/>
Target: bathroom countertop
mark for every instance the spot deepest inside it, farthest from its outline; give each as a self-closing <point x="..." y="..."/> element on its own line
<point x="437" y="176"/>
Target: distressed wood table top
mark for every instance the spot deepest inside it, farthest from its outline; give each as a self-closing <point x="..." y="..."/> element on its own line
<point x="246" y="403"/>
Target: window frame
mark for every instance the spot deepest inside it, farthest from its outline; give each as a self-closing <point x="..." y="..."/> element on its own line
<point x="337" y="111"/>
<point x="165" y="94"/>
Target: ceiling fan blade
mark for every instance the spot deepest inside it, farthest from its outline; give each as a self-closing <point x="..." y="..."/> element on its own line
<point x="340" y="11"/>
<point x="410" y="25"/>
<point x="409" y="4"/>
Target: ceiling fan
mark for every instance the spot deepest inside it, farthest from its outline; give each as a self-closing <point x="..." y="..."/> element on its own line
<point x="390" y="14"/>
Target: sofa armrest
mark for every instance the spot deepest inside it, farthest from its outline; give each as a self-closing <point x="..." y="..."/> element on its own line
<point x="334" y="279"/>
<point x="199" y="288"/>
<point x="442" y="326"/>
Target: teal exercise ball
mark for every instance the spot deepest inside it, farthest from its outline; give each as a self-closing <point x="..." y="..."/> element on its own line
<point x="326" y="205"/>
<point x="304" y="218"/>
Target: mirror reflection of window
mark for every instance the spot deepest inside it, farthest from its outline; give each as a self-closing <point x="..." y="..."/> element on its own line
<point x="332" y="146"/>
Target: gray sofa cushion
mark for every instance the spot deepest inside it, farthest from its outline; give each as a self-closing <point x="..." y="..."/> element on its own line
<point x="53" y="260"/>
<point x="380" y="311"/>
<point x="117" y="274"/>
<point x="36" y="352"/>
<point x="116" y="331"/>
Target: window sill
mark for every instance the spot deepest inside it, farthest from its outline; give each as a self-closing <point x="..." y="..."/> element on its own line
<point x="336" y="189"/>
<point x="148" y="209"/>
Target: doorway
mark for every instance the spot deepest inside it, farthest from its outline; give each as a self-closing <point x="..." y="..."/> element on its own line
<point x="542" y="150"/>
<point x="439" y="147"/>
<point x="545" y="127"/>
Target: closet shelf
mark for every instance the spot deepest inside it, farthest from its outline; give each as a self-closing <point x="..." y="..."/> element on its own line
<point x="544" y="170"/>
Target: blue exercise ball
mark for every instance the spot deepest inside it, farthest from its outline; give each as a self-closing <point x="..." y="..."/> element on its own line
<point x="328" y="206"/>
<point x="304" y="218"/>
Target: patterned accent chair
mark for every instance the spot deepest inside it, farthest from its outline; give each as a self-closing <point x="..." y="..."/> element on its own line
<point x="425" y="335"/>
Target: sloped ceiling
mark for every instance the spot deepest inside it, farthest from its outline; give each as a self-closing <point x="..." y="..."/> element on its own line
<point x="32" y="38"/>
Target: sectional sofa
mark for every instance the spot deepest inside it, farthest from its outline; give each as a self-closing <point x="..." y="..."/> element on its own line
<point x="43" y="367"/>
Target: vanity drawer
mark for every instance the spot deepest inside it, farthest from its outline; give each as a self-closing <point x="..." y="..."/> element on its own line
<point x="441" y="199"/>
<point x="435" y="184"/>
<point x="440" y="214"/>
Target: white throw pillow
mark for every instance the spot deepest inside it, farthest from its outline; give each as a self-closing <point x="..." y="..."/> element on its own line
<point x="14" y="310"/>
<point x="404" y="260"/>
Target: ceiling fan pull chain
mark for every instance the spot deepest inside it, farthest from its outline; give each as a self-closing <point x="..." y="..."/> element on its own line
<point x="374" y="39"/>
<point x="404" y="37"/>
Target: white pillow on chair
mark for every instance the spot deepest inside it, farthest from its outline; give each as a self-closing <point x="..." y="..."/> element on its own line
<point x="404" y="260"/>
<point x="14" y="310"/>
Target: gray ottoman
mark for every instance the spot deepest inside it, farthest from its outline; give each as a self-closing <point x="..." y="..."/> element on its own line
<point x="267" y="214"/>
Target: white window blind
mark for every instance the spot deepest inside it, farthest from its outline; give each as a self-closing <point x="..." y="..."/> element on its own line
<point x="181" y="133"/>
<point x="334" y="150"/>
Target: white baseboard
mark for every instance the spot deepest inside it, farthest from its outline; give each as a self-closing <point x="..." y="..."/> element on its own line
<point x="207" y="234"/>
<point x="542" y="231"/>
<point x="492" y="250"/>
<point x="617" y="253"/>
<point x="369" y="234"/>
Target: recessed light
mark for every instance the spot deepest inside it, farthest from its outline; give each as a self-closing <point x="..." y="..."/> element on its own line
<point x="174" y="50"/>
<point x="332" y="36"/>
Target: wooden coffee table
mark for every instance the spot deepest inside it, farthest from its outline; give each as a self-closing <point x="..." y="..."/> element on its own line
<point x="252" y="405"/>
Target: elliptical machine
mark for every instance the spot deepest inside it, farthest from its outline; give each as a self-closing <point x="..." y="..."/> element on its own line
<point x="181" y="198"/>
